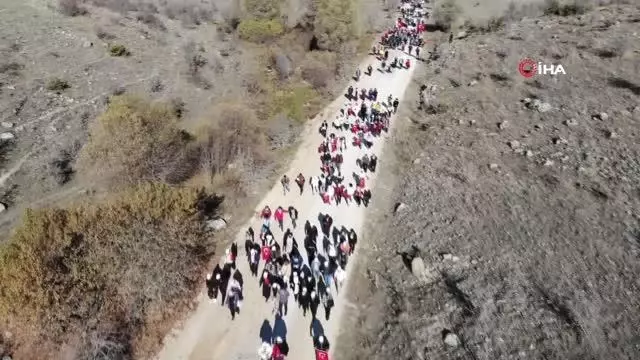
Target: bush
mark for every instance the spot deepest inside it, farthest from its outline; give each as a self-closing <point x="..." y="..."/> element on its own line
<point x="263" y="9"/>
<point x="316" y="73"/>
<point x="118" y="50"/>
<point x="71" y="8"/>
<point x="114" y="271"/>
<point x="233" y="132"/>
<point x="133" y="140"/>
<point x="259" y="31"/>
<point x="57" y="85"/>
<point x="445" y="14"/>
<point x="334" y="23"/>
<point x="565" y="8"/>
<point x="297" y="102"/>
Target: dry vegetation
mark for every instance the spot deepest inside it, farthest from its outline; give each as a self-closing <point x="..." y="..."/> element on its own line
<point x="102" y="280"/>
<point x="525" y="216"/>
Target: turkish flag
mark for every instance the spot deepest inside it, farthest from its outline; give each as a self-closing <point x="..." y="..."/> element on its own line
<point x="322" y="355"/>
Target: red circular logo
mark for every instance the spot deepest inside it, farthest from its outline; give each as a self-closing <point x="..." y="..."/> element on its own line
<point x="527" y="68"/>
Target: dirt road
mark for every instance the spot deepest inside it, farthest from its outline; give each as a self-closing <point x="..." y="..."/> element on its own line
<point x="210" y="333"/>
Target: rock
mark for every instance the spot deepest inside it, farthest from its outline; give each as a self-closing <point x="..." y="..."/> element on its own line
<point x="514" y="144"/>
<point x="602" y="116"/>
<point x="473" y="82"/>
<point x="560" y="141"/>
<point x="548" y="162"/>
<point x="87" y="44"/>
<point x="399" y="207"/>
<point x="543" y="107"/>
<point x="447" y="256"/>
<point x="461" y="35"/>
<point x="20" y="128"/>
<point x="216" y="224"/>
<point x="529" y="153"/>
<point x="474" y="262"/>
<point x="451" y="340"/>
<point x="416" y="161"/>
<point x="503" y="125"/>
<point x="571" y="122"/>
<point x="472" y="122"/>
<point x="283" y="66"/>
<point x="7" y="136"/>
<point x="3" y="207"/>
<point x="493" y="166"/>
<point x="417" y="267"/>
<point x="7" y="357"/>
<point x="6" y="124"/>
<point x="612" y="134"/>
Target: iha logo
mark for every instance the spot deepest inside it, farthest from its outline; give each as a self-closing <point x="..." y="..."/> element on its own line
<point x="529" y="68"/>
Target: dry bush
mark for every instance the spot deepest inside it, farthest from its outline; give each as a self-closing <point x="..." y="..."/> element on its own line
<point x="263" y="9"/>
<point x="57" y="85"/>
<point x="190" y="13"/>
<point x="315" y="73"/>
<point x="233" y="132"/>
<point x="446" y="14"/>
<point x="566" y="7"/>
<point x="71" y="8"/>
<point x="335" y="23"/>
<point x="133" y="140"/>
<point x="118" y="50"/>
<point x="259" y="30"/>
<point x="150" y="19"/>
<point x="104" y="276"/>
<point x="11" y="68"/>
<point x="102" y="34"/>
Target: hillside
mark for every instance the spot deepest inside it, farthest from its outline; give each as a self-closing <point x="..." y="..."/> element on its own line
<point x="519" y="195"/>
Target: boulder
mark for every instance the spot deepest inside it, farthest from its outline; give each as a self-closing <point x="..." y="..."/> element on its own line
<point x="216" y="224"/>
<point x="399" y="207"/>
<point x="283" y="65"/>
<point x="451" y="340"/>
<point x="417" y="267"/>
<point x="3" y="207"/>
<point x="7" y="136"/>
<point x="461" y="35"/>
<point x="6" y="124"/>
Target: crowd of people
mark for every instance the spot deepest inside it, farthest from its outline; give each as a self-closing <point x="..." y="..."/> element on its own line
<point x="305" y="273"/>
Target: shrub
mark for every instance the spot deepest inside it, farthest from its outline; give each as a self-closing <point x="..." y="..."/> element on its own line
<point x="133" y="140"/>
<point x="119" y="267"/>
<point x="11" y="68"/>
<point x="71" y="8"/>
<point x="334" y="23"/>
<point x="565" y="8"/>
<point x="233" y="131"/>
<point x="296" y="102"/>
<point x="57" y="85"/>
<point x="259" y="31"/>
<point x="118" y="50"/>
<point x="316" y="73"/>
<point x="150" y="19"/>
<point x="445" y="14"/>
<point x="263" y="9"/>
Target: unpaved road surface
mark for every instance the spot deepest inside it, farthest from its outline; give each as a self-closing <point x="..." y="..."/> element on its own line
<point x="210" y="333"/>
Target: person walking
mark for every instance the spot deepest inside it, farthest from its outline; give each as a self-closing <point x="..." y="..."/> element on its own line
<point x="254" y="259"/>
<point x="279" y="216"/>
<point x="314" y="302"/>
<point x="283" y="301"/>
<point x="300" y="181"/>
<point x="396" y="102"/>
<point x="328" y="304"/>
<point x="293" y="215"/>
<point x="265" y="283"/>
<point x="285" y="184"/>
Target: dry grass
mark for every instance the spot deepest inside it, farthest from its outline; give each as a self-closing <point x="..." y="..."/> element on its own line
<point x="133" y="140"/>
<point x="335" y="23"/>
<point x="101" y="278"/>
<point x="233" y="132"/>
<point x="319" y="69"/>
<point x="71" y="8"/>
<point x="260" y="30"/>
<point x="445" y="14"/>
